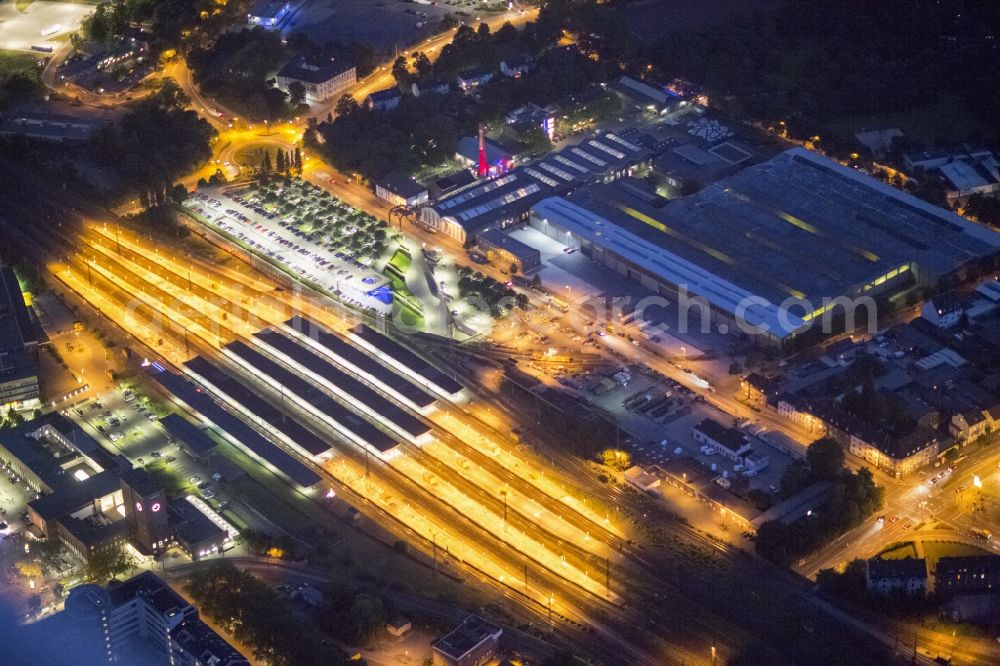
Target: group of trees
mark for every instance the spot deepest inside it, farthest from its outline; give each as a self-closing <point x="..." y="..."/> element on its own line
<point x="853" y="497"/>
<point x="985" y="209"/>
<point x="496" y="295"/>
<point x="154" y="144"/>
<point x="11" y="420"/>
<point x="425" y="130"/>
<point x="239" y="68"/>
<point x="285" y="162"/>
<point x="20" y="79"/>
<point x="422" y="130"/>
<point x="355" y="618"/>
<point x="814" y="65"/>
<point x="879" y="408"/>
<point x="169" y="18"/>
<point x="245" y="606"/>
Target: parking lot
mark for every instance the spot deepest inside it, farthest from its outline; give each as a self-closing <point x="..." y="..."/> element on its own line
<point x="14" y="498"/>
<point x="38" y="24"/>
<point x="659" y="414"/>
<point x="335" y="246"/>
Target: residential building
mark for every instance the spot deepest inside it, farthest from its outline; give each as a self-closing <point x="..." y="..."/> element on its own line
<point x="729" y="442"/>
<point x="895" y="455"/>
<point x="974" y="423"/>
<point x="518" y="66"/>
<point x="967" y="574"/>
<point x="944" y="311"/>
<point x="430" y="86"/>
<point x="507" y="253"/>
<point x="19" y="340"/>
<point x="322" y="79"/>
<point x="384" y="100"/>
<point x="532" y="117"/>
<point x="759" y="391"/>
<point x="400" y="189"/>
<point x="471" y="79"/>
<point x="907" y="575"/>
<point x="269" y="14"/>
<point x="798" y="410"/>
<point x="474" y="642"/>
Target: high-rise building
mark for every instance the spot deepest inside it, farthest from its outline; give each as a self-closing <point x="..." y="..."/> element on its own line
<point x="138" y="621"/>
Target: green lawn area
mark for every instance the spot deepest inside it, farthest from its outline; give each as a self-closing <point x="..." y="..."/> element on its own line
<point x="400" y="261"/>
<point x="899" y="551"/>
<point x="935" y="550"/>
<point x="13" y="61"/>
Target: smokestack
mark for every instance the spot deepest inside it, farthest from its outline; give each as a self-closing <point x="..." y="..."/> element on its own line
<point x="484" y="168"/>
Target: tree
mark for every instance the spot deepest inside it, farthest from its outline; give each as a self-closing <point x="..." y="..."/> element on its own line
<point x="297" y="159"/>
<point x="281" y="165"/>
<point x="347" y="106"/>
<point x="110" y="562"/>
<point x="616" y="459"/>
<point x="178" y="193"/>
<point x="826" y="459"/>
<point x="422" y="63"/>
<point x="368" y="617"/>
<point x="296" y="93"/>
<point x="265" y="163"/>
<point x="155" y="143"/>
<point x="400" y="72"/>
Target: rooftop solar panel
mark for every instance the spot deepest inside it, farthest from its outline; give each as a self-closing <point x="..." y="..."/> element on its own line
<point x="237" y="429"/>
<point x="308" y="393"/>
<point x="405" y="357"/>
<point x="343" y="349"/>
<point x="356" y="389"/>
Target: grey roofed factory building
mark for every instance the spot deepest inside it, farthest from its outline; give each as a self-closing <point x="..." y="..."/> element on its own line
<point x="770" y="244"/>
<point x="504" y="201"/>
<point x="505" y="251"/>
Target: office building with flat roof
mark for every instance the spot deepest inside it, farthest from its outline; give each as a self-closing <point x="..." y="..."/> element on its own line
<point x="269" y="14"/>
<point x="19" y="339"/>
<point x="137" y="621"/>
<point x="473" y="643"/>
<point x="322" y="79"/>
